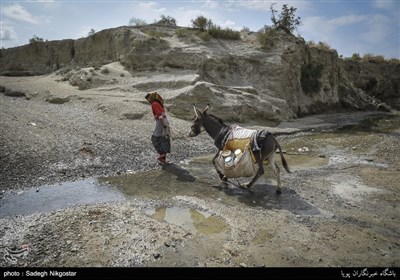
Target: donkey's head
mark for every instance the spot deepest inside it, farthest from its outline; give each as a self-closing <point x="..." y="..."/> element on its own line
<point x="195" y="129"/>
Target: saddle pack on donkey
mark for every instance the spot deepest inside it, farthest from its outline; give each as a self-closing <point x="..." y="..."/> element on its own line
<point x="237" y="159"/>
<point x="252" y="147"/>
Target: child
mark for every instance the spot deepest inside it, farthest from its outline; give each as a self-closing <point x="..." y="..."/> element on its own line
<point x="161" y="133"/>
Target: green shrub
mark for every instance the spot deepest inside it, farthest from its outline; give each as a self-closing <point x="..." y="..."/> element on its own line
<point x="226" y="33"/>
<point x="310" y="77"/>
<point x="321" y="45"/>
<point x="201" y="23"/>
<point x="167" y="20"/>
<point x="154" y="33"/>
<point x="373" y="58"/>
<point x="356" y="57"/>
<point x="266" y="37"/>
<point x="35" y="39"/>
<point x="204" y="36"/>
<point x="262" y="38"/>
<point x="183" y="32"/>
<point x="136" y="22"/>
<point x="286" y="20"/>
<point x="205" y="25"/>
<point x="91" y="32"/>
<point x="394" y="61"/>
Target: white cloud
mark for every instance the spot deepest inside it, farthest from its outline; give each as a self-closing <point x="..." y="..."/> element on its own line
<point x="149" y="11"/>
<point x="210" y="4"/>
<point x="7" y="32"/>
<point x="265" y="5"/>
<point x="42" y="1"/>
<point x="324" y="29"/>
<point x="185" y="16"/>
<point x="352" y="33"/>
<point x="229" y="23"/>
<point x="148" y="5"/>
<point x="46" y="19"/>
<point x="346" y="20"/>
<point x="384" y="4"/>
<point x="316" y="27"/>
<point x="18" y="12"/>
<point x="378" y="30"/>
<point x="84" y="31"/>
<point x="255" y="5"/>
<point x="160" y="10"/>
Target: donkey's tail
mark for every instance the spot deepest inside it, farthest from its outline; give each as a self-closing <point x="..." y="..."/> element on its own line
<point x="284" y="163"/>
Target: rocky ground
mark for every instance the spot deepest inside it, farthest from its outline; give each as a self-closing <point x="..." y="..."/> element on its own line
<point x="339" y="207"/>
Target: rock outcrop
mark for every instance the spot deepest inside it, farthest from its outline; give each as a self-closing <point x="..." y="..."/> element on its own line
<point x="239" y="79"/>
<point x="36" y="58"/>
<point x="380" y="80"/>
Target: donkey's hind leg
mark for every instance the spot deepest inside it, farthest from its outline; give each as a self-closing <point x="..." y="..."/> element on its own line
<point x="277" y="171"/>
<point x="260" y="172"/>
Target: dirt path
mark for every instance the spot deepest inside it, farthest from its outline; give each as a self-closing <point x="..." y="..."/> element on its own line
<point x="339" y="207"/>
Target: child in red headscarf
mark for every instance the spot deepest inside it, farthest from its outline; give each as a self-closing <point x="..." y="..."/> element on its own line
<point x="161" y="133"/>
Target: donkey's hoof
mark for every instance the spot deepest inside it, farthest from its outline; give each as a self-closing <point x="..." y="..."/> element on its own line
<point x="246" y="186"/>
<point x="223" y="179"/>
<point x="278" y="191"/>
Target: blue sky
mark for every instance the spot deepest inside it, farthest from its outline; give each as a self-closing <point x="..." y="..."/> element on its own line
<point x="349" y="26"/>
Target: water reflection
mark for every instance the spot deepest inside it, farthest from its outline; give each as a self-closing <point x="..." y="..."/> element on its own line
<point x="180" y="173"/>
<point x="55" y="197"/>
<point x="189" y="219"/>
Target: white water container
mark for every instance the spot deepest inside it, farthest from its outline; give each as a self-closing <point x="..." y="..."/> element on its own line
<point x="229" y="161"/>
<point x="226" y="153"/>
<point x="238" y="153"/>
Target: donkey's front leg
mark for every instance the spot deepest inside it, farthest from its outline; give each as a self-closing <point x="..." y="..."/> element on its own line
<point x="260" y="172"/>
<point x="221" y="176"/>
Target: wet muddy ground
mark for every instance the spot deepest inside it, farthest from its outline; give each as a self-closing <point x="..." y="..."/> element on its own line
<point x="339" y="207"/>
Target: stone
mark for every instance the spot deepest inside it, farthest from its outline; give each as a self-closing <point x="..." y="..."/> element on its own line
<point x="58" y="100"/>
<point x="133" y="116"/>
<point x="14" y="93"/>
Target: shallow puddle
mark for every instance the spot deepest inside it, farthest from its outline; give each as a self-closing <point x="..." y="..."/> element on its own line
<point x="305" y="161"/>
<point x="387" y="124"/>
<point x="197" y="179"/>
<point x="351" y="144"/>
<point x="190" y="219"/>
<point x="204" y="183"/>
<point x="55" y="197"/>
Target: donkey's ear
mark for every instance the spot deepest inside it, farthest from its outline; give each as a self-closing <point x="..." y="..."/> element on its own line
<point x="206" y="109"/>
<point x="196" y="111"/>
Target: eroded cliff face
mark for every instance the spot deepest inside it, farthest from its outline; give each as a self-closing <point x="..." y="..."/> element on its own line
<point x="36" y="58"/>
<point x="240" y="80"/>
<point x="380" y="80"/>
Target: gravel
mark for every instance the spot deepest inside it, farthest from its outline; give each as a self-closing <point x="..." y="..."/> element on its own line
<point x="338" y="214"/>
<point x="43" y="143"/>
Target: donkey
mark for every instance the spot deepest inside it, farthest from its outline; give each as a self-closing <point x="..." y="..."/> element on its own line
<point x="216" y="128"/>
